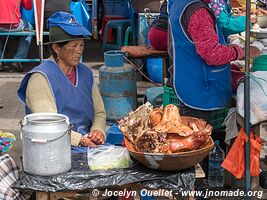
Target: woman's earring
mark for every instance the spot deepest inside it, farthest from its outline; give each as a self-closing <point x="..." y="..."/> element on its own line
<point x="56" y="58"/>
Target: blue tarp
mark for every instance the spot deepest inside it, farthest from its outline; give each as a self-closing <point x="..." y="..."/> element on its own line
<point x="28" y="15"/>
<point x="83" y="13"/>
<point x="79" y="9"/>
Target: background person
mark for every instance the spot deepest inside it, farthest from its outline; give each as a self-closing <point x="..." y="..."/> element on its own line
<point x="10" y="20"/>
<point x="62" y="84"/>
<point x="229" y="23"/>
<point x="158" y="34"/>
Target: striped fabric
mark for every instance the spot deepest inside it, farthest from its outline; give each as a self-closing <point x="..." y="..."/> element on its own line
<point x="8" y="175"/>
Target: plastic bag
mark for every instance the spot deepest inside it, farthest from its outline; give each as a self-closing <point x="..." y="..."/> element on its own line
<point x="108" y="157"/>
<point x="6" y="141"/>
<point x="82" y="179"/>
<point x="258" y="97"/>
<point x="235" y="159"/>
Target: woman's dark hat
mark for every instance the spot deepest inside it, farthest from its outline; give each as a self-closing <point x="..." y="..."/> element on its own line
<point x="64" y="27"/>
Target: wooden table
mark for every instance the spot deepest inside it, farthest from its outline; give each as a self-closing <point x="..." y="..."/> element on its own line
<point x="148" y="53"/>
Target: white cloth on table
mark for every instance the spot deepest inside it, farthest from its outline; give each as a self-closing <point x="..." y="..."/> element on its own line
<point x="230" y="123"/>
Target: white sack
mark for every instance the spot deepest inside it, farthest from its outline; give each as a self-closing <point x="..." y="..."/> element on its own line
<point x="258" y="97"/>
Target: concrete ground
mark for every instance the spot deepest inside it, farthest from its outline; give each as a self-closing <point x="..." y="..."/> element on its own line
<point x="12" y="112"/>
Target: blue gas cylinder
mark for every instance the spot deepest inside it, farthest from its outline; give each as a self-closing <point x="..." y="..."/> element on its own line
<point x="117" y="85"/>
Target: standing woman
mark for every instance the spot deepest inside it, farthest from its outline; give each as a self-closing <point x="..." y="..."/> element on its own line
<point x="201" y="58"/>
<point x="63" y="85"/>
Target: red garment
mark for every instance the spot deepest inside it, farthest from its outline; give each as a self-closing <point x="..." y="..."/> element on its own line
<point x="202" y="32"/>
<point x="158" y="39"/>
<point x="10" y="11"/>
<point x="234" y="161"/>
<point x="72" y="76"/>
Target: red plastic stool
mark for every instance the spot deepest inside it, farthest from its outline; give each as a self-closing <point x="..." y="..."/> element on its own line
<point x="106" y="19"/>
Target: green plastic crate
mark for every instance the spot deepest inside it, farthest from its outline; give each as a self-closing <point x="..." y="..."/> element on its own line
<point x="216" y="118"/>
<point x="169" y="97"/>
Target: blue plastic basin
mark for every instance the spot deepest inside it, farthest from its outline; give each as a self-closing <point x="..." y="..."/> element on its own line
<point x="154" y="69"/>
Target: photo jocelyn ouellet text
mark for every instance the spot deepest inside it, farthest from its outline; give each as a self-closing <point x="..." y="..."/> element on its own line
<point x="163" y="192"/>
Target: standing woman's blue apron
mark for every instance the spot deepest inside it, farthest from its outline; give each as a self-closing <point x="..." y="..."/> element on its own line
<point x="197" y="85"/>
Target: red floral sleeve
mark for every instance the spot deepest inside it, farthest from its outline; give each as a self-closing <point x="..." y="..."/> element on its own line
<point x="202" y="32"/>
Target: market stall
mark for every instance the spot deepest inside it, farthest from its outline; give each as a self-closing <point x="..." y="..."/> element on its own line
<point x="46" y="166"/>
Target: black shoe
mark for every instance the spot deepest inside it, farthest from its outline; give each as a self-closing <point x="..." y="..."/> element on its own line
<point x="2" y="67"/>
<point x="18" y="66"/>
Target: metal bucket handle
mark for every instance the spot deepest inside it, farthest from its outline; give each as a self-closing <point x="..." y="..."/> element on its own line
<point x="44" y="140"/>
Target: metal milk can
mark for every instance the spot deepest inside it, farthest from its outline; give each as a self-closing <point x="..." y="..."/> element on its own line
<point x="46" y="147"/>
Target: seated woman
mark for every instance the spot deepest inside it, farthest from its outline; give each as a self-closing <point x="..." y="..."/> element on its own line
<point x="64" y="85"/>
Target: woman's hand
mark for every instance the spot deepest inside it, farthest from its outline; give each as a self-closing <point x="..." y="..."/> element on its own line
<point x="85" y="142"/>
<point x="253" y="51"/>
<point x="97" y="137"/>
<point x="254" y="19"/>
